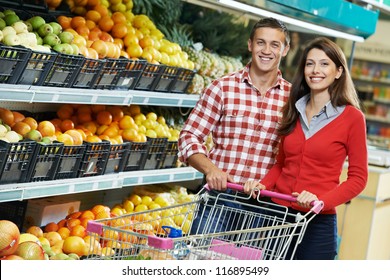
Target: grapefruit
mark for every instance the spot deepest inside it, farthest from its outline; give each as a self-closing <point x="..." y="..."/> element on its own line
<point x="9" y="237"/>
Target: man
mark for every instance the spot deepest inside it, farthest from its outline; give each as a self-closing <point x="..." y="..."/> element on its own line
<point x="241" y="111"/>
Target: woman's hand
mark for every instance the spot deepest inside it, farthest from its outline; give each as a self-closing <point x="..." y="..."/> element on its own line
<point x="305" y="198"/>
<point x="250" y="185"/>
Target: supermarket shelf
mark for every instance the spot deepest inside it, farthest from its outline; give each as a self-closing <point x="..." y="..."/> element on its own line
<point x="377" y="119"/>
<point x="23" y="191"/>
<point x="42" y="94"/>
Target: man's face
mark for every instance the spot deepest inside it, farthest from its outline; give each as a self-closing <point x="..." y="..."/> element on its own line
<point x="267" y="48"/>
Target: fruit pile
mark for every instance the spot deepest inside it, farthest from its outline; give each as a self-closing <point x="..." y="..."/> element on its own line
<point x="91" y="123"/>
<point x="68" y="238"/>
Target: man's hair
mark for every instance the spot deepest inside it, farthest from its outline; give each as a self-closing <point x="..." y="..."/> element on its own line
<point x="271" y="23"/>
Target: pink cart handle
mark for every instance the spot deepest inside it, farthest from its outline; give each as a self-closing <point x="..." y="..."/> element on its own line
<point x="317" y="204"/>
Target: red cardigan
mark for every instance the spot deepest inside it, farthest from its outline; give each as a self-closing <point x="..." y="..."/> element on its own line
<point x="315" y="164"/>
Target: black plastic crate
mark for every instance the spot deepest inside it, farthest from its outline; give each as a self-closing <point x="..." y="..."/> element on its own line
<point x="34" y="5"/>
<point x="13" y="61"/>
<point x="136" y="157"/>
<point x="47" y="159"/>
<point x="14" y="211"/>
<point x="70" y="161"/>
<point x="94" y="159"/>
<point x="89" y="73"/>
<point x="167" y="78"/>
<point x="110" y="73"/>
<point x="10" y="4"/>
<point x="129" y="77"/>
<point x="150" y="76"/>
<point x="170" y="155"/>
<point x="117" y="157"/>
<point x="17" y="161"/>
<point x="156" y="151"/>
<point x="64" y="70"/>
<point x="37" y="68"/>
<point x="183" y="81"/>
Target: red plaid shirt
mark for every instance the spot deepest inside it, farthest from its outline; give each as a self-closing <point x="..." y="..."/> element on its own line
<point x="242" y="122"/>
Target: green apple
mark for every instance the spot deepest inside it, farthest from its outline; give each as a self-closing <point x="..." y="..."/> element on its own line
<point x="45" y="29"/>
<point x="29" y="26"/>
<point x="57" y="28"/>
<point x="66" y="37"/>
<point x="36" y="22"/>
<point x="11" y="19"/>
<point x="1" y="36"/>
<point x="34" y="135"/>
<point x="9" y="12"/>
<point x="20" y="27"/>
<point x="39" y="38"/>
<point x="2" y="15"/>
<point x="63" y="48"/>
<point x="2" y="24"/>
<point x="51" y="40"/>
<point x="11" y="40"/>
<point x="76" y="49"/>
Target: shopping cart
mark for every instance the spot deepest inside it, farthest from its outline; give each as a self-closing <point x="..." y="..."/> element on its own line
<point x="215" y="227"/>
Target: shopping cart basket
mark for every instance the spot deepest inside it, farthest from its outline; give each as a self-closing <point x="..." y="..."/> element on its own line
<point x="230" y="228"/>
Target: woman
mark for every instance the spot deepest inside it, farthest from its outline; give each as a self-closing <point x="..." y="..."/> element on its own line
<point x="321" y="127"/>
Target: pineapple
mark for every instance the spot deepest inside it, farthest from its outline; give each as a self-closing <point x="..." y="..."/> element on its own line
<point x="197" y="85"/>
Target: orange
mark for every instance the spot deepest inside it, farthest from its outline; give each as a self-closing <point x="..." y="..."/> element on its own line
<point x="64" y="232"/>
<point x="119" y="42"/>
<point x="124" y="54"/>
<point x="84" y="221"/>
<point x="134" y="110"/>
<point x="101" y="48"/>
<point x="112" y="50"/>
<point x="101" y="9"/>
<point x="74" y="244"/>
<point x="64" y="21"/>
<point x="106" y="37"/>
<point x="92" y="3"/>
<point x="46" y="128"/>
<point x="87" y="214"/>
<point x="82" y="132"/>
<point x="96" y="108"/>
<point x="61" y="223"/>
<point x="130" y="39"/>
<point x="102" y="215"/>
<point x="90" y="24"/>
<point x="79" y="10"/>
<point x="147" y="41"/>
<point x="106" y="23"/>
<point x="72" y="222"/>
<point x="93" y="15"/>
<point x="104" y="118"/>
<point x="66" y="125"/>
<point x="65" y="111"/>
<point x="90" y="126"/>
<point x="53" y="237"/>
<point x="21" y="128"/>
<point x="84" y="117"/>
<point x="116" y="112"/>
<point x="111" y="132"/>
<point x="81" y="3"/>
<point x="94" y="34"/>
<point x="119" y="30"/>
<point x="98" y="208"/>
<point x="92" y="53"/>
<point x="78" y="230"/>
<point x="130" y="134"/>
<point x="118" y="17"/>
<point x="76" y="135"/>
<point x="31" y="122"/>
<point x="74" y="215"/>
<point x="83" y="31"/>
<point x="7" y="116"/>
<point x="18" y="117"/>
<point x="126" y="122"/>
<point x="136" y="199"/>
<point x="77" y="21"/>
<point x="104" y="137"/>
<point x="65" y="138"/>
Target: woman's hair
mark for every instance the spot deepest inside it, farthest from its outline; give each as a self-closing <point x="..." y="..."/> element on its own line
<point x="342" y="91"/>
<point x="271" y="23"/>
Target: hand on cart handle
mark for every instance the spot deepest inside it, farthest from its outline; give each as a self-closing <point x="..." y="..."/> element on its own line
<point x="317" y="205"/>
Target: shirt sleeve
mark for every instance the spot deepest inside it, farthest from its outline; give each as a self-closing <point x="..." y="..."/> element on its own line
<point x="200" y="122"/>
<point x="357" y="166"/>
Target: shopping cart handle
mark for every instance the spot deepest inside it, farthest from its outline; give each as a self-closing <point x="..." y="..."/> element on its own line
<point x="317" y="205"/>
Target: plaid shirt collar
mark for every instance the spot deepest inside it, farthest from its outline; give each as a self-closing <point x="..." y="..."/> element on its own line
<point x="245" y="77"/>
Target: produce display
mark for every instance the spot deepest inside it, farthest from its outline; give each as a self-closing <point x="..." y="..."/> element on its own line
<point x="68" y="239"/>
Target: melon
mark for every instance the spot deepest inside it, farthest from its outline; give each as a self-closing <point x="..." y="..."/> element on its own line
<point x="9" y="237"/>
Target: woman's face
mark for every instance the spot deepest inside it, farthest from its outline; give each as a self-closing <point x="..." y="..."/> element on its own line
<point x="320" y="71"/>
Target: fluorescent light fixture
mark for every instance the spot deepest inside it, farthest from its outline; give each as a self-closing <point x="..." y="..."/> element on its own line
<point x="313" y="27"/>
<point x="379" y="5"/>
